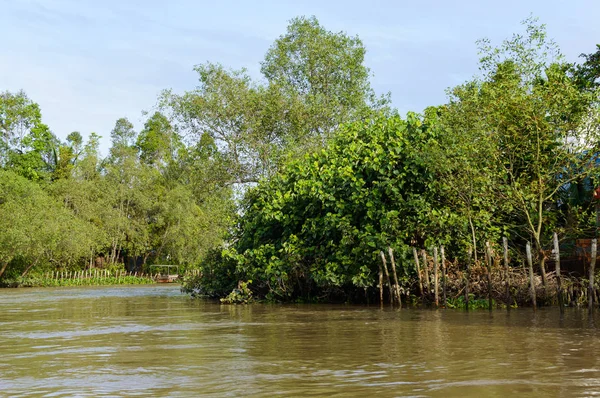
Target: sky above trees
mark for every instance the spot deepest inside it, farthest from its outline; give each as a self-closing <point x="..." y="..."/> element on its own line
<point x="88" y="63"/>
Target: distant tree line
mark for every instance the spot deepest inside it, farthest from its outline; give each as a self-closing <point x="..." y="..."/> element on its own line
<point x="168" y="193"/>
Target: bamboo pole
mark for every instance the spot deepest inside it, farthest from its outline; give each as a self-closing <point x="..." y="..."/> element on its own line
<point x="435" y="275"/>
<point x="387" y="277"/>
<point x="418" y="270"/>
<point x="393" y="261"/>
<point x="592" y="270"/>
<point x="559" y="290"/>
<point x="489" y="260"/>
<point x="380" y="286"/>
<point x="443" y="276"/>
<point x="506" y="272"/>
<point x="467" y="278"/>
<point x="426" y="270"/>
<point x="531" y="281"/>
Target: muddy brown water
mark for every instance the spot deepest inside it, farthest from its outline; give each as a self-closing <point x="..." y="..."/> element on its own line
<point x="155" y="341"/>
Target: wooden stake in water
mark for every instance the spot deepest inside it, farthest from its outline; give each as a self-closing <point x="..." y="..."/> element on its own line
<point x="467" y="278"/>
<point x="387" y="277"/>
<point x="435" y="275"/>
<point x="443" y="276"/>
<point x="426" y="270"/>
<point x="393" y="261"/>
<point x="531" y="280"/>
<point x="489" y="260"/>
<point x="592" y="271"/>
<point x="559" y="292"/>
<point x="418" y="270"/>
<point x="506" y="272"/>
<point x="380" y="286"/>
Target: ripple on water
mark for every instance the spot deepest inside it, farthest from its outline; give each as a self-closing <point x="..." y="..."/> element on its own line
<point x="153" y="341"/>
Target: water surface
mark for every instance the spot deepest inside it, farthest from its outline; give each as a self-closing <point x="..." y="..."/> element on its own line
<point x="155" y="341"/>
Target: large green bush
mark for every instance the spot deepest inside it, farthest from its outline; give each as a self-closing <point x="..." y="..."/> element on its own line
<point x="315" y="229"/>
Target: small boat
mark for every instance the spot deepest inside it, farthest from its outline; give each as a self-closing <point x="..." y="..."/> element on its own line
<point x="165" y="274"/>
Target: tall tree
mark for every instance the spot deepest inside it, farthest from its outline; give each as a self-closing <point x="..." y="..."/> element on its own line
<point x="316" y="80"/>
<point x="325" y="72"/>
<point x="27" y="145"/>
<point x="158" y="142"/>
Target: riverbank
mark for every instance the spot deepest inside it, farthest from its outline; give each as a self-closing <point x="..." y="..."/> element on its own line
<point x="97" y="277"/>
<point x="478" y="286"/>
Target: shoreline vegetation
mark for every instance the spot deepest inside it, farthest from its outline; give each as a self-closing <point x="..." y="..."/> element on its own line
<point x="91" y="277"/>
<point x="308" y="186"/>
<point x="440" y="283"/>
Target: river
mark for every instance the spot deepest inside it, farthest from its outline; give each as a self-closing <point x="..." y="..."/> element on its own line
<point x="155" y="341"/>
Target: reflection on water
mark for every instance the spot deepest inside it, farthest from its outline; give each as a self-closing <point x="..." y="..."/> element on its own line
<point x="154" y="341"/>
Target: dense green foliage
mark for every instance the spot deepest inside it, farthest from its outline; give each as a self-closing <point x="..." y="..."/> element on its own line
<point x="296" y="182"/>
<point x="167" y="194"/>
<point x="512" y="153"/>
<point x="322" y="220"/>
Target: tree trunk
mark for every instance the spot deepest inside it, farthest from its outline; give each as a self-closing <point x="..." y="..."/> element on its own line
<point x="4" y="265"/>
<point x="30" y="267"/>
<point x="473" y="237"/>
<point x="542" y="261"/>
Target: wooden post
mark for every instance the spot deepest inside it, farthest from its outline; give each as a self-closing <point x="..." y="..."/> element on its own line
<point x="435" y="275"/>
<point x="592" y="270"/>
<point x="467" y="278"/>
<point x="426" y="270"/>
<point x="559" y="292"/>
<point x="507" y="272"/>
<point x="531" y="280"/>
<point x="418" y="270"/>
<point x="387" y="277"/>
<point x="393" y="261"/>
<point x="489" y="260"/>
<point x="380" y="286"/>
<point x="443" y="276"/>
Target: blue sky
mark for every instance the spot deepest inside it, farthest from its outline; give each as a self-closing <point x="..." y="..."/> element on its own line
<point x="87" y="63"/>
